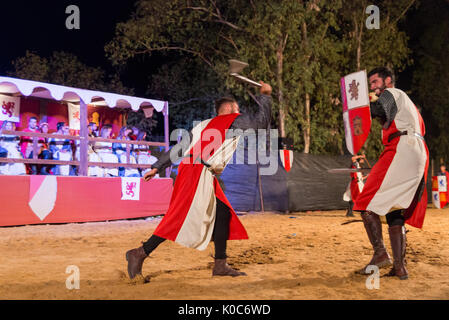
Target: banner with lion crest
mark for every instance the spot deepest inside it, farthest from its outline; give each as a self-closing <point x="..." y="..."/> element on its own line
<point x="9" y="108"/>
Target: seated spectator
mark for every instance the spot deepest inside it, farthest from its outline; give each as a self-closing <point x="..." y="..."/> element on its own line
<point x="44" y="150"/>
<point x="104" y="151"/>
<point x="3" y="154"/>
<point x="92" y="156"/>
<point x="135" y="133"/>
<point x="143" y="153"/>
<point x="120" y="150"/>
<point x="9" y="147"/>
<point x="26" y="146"/>
<point x="3" y="165"/>
<point x="92" y="129"/>
<point x="62" y="149"/>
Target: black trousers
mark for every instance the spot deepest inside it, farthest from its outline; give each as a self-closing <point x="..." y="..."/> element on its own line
<point x="220" y="234"/>
<point x="43" y="169"/>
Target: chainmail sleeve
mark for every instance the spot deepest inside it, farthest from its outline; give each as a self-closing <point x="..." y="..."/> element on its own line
<point x="384" y="109"/>
<point x="174" y="154"/>
<point x="259" y="120"/>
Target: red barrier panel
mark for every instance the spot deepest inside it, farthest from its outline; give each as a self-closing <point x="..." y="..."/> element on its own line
<point x="82" y="199"/>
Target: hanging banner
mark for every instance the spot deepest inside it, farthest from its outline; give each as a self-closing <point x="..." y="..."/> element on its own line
<point x="9" y="108"/>
<point x="356" y="110"/>
<point x="74" y="116"/>
<point x="439" y="191"/>
<point x="131" y="189"/>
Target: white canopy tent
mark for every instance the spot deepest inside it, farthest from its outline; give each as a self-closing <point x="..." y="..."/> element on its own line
<point x="44" y="90"/>
<point x="19" y="87"/>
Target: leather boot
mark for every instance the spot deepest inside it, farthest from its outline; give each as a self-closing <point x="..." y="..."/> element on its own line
<point x="221" y="268"/>
<point x="398" y="241"/>
<point x="135" y="258"/>
<point x="349" y="213"/>
<point x="373" y="227"/>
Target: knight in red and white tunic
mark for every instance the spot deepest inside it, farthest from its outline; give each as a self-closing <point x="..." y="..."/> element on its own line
<point x="395" y="187"/>
<point x="199" y="210"/>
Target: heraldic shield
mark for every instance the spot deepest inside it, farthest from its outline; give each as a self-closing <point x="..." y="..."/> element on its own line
<point x="286" y="157"/>
<point x="356" y="110"/>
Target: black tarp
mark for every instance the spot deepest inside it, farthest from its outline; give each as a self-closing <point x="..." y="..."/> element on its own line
<point x="312" y="187"/>
<point x="307" y="186"/>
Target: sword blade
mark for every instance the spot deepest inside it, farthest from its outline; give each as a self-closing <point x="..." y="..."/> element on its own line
<point x="347" y="170"/>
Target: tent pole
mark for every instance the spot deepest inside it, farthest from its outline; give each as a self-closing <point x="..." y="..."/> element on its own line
<point x="259" y="179"/>
<point x="166" y="136"/>
<point x="84" y="140"/>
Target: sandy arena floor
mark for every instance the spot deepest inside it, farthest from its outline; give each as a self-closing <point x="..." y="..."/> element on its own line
<point x="288" y="257"/>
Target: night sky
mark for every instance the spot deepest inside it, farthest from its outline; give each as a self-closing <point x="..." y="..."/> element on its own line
<point x="39" y="26"/>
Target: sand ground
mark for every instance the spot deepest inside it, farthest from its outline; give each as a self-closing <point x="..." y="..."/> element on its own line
<point x="288" y="257"/>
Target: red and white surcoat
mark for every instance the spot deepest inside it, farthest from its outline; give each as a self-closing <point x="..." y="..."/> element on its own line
<point x="397" y="181"/>
<point x="190" y="218"/>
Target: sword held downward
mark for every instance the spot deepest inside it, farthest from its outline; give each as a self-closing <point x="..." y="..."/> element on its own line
<point x="348" y="170"/>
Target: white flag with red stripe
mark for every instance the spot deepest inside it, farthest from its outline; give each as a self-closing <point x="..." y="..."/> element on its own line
<point x="287" y="159"/>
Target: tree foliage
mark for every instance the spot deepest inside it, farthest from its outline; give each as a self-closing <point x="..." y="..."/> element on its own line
<point x="66" y="69"/>
<point x="301" y="48"/>
<point x="430" y="85"/>
<point x="191" y="89"/>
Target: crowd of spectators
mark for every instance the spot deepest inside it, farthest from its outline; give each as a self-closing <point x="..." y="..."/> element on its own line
<point x="15" y="147"/>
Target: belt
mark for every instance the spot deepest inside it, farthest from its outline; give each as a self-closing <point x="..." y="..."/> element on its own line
<point x="403" y="133"/>
<point x="207" y="165"/>
<point x="396" y="134"/>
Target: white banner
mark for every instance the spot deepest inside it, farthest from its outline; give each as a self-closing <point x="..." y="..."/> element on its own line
<point x="9" y="108"/>
<point x="348" y="135"/>
<point x="74" y="116"/>
<point x="131" y="188"/>
<point x="356" y="88"/>
<point x="436" y="199"/>
<point x="442" y="184"/>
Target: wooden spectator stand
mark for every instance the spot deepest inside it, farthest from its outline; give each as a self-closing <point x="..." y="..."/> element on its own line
<point x="74" y="199"/>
